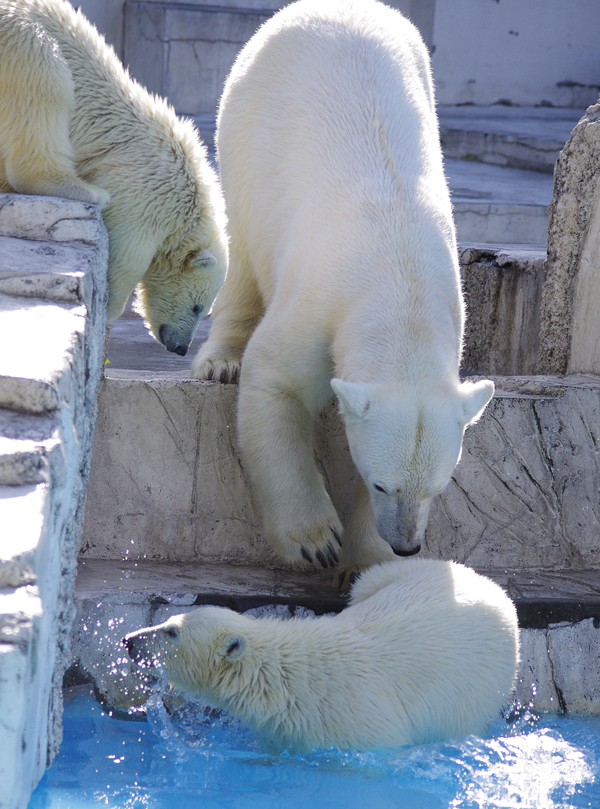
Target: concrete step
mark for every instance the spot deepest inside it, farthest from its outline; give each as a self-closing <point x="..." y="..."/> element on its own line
<point x="496" y="204"/>
<point x="559" y="612"/>
<point x="28" y="446"/>
<point x="517" y="137"/>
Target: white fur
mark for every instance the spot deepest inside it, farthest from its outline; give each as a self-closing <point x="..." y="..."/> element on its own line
<point x="74" y="124"/>
<point x="343" y="274"/>
<point x="427" y="651"/>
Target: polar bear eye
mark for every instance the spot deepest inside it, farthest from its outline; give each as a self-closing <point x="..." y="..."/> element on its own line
<point x="379" y="488"/>
<point x="197" y="309"/>
<point x="171" y="632"/>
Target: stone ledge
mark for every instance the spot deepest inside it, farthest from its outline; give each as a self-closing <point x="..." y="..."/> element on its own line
<point x="524" y="495"/>
<point x="44" y="338"/>
<point x="53" y="289"/>
<point x="519" y="137"/>
<point x="22" y="506"/>
<point x="50" y="219"/>
<point x="542" y="597"/>
<point x="500" y="150"/>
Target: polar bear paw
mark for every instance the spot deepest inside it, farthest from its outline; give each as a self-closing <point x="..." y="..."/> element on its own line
<point x="346" y="576"/>
<point x="314" y="544"/>
<point x="86" y="192"/>
<point x="225" y="371"/>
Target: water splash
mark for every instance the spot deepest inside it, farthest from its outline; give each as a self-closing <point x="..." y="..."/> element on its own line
<point x="192" y="755"/>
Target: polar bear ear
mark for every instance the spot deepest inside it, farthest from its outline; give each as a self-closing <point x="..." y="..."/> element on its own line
<point x="204" y="261"/>
<point x="353" y="398"/>
<point x="475" y="397"/>
<point x="233" y="647"/>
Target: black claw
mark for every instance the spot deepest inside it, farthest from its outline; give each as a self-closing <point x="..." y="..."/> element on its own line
<point x="338" y="538"/>
<point x="235" y="374"/>
<point x="209" y="373"/>
<point x="306" y="555"/>
<point x="323" y="562"/>
<point x="341" y="579"/>
<point x="223" y="376"/>
<point x="332" y="555"/>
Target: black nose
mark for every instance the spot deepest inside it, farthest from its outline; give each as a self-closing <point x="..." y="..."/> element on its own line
<point x="171" y="341"/>
<point x="407" y="553"/>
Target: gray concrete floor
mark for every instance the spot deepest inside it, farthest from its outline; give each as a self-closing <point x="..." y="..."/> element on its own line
<point x="540" y="123"/>
<point x="481" y="182"/>
<point x="132" y="347"/>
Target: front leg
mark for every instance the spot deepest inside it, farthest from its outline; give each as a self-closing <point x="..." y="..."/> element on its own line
<point x="236" y="313"/>
<point x="363" y="547"/>
<point x="276" y="439"/>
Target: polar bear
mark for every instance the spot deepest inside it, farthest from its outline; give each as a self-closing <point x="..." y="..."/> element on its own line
<point x="427" y="651"/>
<point x="343" y="278"/>
<point x="74" y="124"/>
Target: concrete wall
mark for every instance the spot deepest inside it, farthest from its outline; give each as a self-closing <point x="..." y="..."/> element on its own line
<point x="483" y="50"/>
<point x="53" y="266"/>
<point x="108" y="15"/>
<point x="167" y="483"/>
<point x="524" y="52"/>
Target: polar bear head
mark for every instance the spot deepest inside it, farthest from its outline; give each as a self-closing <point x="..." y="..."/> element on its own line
<point x="405" y="446"/>
<point x="198" y="650"/>
<point x="178" y="290"/>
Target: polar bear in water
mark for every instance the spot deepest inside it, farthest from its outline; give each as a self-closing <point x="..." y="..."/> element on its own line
<point x="427" y="651"/>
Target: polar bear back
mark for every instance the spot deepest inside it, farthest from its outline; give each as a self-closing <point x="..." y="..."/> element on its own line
<point x="457" y="641"/>
<point x="328" y="115"/>
<point x="430" y="653"/>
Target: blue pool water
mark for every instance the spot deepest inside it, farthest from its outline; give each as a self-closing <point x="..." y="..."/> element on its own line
<point x="197" y="759"/>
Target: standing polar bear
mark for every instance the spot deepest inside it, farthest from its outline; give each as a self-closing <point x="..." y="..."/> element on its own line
<point x="74" y="124"/>
<point x="427" y="651"/>
<point x="343" y="276"/>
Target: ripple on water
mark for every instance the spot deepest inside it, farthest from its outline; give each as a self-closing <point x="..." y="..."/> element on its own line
<point x="199" y="757"/>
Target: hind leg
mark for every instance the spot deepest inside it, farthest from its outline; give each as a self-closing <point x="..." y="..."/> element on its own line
<point x="36" y="105"/>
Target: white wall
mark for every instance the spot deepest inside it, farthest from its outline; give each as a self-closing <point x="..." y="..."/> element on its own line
<point x="518" y="50"/>
<point x="484" y="50"/>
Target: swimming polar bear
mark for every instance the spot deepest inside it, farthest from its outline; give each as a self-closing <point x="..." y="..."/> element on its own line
<point x="343" y="278"/>
<point x="427" y="651"/>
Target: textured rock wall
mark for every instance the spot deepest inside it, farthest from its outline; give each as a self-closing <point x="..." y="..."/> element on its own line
<point x="167" y="482"/>
<point x="574" y="235"/>
<point x="503" y="290"/>
<point x="53" y="266"/>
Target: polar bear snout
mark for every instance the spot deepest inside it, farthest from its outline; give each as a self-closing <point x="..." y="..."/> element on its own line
<point x="173" y="340"/>
<point x="141" y="648"/>
<point x="402" y="524"/>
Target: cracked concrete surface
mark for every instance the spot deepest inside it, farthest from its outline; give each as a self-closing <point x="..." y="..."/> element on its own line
<point x="524" y="494"/>
<point x="555" y="671"/>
